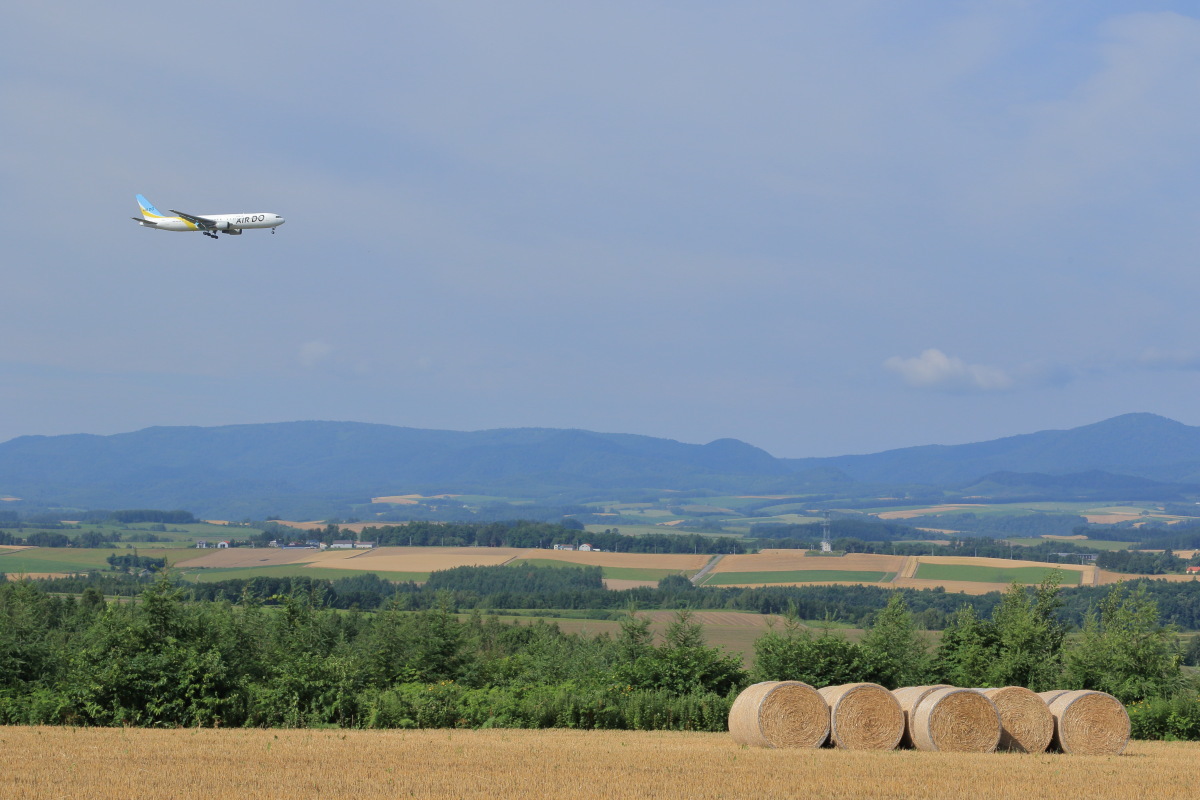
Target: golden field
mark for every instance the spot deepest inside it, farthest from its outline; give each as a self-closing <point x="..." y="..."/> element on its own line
<point x="127" y="764"/>
<point x="683" y="562"/>
<point x="786" y="560"/>
<point x="428" y="559"/>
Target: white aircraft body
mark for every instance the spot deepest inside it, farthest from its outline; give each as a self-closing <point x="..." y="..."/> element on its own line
<point x="208" y="224"/>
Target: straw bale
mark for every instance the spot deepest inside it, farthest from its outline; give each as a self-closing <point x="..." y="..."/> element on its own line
<point x="1026" y="724"/>
<point x="908" y="697"/>
<point x="1052" y="695"/>
<point x="959" y="720"/>
<point x="1089" y="723"/>
<point x="863" y="716"/>
<point x="779" y="714"/>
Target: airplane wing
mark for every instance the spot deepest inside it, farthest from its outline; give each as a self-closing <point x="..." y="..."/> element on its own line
<point x="203" y="223"/>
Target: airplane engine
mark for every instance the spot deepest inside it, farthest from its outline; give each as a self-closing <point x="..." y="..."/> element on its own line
<point x="221" y="226"/>
<point x="232" y="231"/>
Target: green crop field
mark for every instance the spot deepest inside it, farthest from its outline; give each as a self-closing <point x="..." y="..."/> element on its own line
<point x="797" y="576"/>
<point x="1097" y="544"/>
<point x="989" y="574"/>
<point x="57" y="559"/>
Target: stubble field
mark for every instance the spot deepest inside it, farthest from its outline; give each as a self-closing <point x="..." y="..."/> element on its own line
<point x="128" y="764"/>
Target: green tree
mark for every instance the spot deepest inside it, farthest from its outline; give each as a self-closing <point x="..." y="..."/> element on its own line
<point x="897" y="653"/>
<point x="967" y="650"/>
<point x="1125" y="649"/>
<point x="1029" y="637"/>
<point x="794" y="654"/>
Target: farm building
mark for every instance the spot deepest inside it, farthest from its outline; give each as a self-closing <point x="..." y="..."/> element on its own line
<point x="342" y="544"/>
<point x="365" y="545"/>
<point x="1193" y="570"/>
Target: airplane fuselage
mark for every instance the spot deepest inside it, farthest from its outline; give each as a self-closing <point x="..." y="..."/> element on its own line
<point x="208" y="224"/>
<point x="222" y="222"/>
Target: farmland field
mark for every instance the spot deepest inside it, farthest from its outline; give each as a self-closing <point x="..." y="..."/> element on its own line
<point x="1097" y="544"/>
<point x="992" y="574"/>
<point x="796" y="576"/>
<point x="641" y="574"/>
<point x="129" y="764"/>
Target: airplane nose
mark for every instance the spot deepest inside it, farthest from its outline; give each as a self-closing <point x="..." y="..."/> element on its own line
<point x="280" y="219"/>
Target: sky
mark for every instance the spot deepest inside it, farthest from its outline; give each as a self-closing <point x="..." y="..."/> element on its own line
<point x="820" y="228"/>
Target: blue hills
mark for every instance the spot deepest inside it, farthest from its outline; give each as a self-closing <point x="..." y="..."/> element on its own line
<point x="320" y="468"/>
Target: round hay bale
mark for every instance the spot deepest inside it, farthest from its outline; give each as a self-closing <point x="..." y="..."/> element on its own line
<point x="956" y="720"/>
<point x="1026" y="724"/>
<point x="863" y="716"/>
<point x="1089" y="723"/>
<point x="1052" y="695"/>
<point x="779" y="714"/>
<point x="908" y="697"/>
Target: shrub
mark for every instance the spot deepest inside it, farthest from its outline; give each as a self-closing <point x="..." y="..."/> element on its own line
<point x="1171" y="718"/>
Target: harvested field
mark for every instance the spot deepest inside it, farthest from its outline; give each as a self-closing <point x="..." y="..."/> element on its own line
<point x="427" y="559"/>
<point x="670" y="561"/>
<point x="251" y="557"/>
<point x="961" y="587"/>
<point x="1106" y="577"/>
<point x="137" y="764"/>
<point x="786" y="560"/>
<point x="618" y="584"/>
<point x="789" y="577"/>
<point x="909" y="513"/>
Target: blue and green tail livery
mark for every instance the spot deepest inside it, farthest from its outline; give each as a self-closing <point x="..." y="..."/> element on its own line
<point x="148" y="209"/>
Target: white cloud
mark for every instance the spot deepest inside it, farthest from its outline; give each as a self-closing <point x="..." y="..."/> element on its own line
<point x="933" y="369"/>
<point x="314" y="352"/>
<point x="1158" y="359"/>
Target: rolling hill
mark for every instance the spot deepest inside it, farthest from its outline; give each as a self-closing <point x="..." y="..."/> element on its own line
<point x="319" y="468"/>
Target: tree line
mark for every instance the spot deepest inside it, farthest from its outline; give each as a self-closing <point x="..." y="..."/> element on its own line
<point x="166" y="661"/>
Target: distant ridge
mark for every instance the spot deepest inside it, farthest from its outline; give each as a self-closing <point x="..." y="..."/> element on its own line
<point x="1142" y="445"/>
<point x="239" y="471"/>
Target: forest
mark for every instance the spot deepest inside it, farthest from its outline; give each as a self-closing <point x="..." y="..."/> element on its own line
<point x="166" y="660"/>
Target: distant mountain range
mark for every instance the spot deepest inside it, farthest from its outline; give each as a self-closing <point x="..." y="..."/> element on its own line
<point x="321" y="468"/>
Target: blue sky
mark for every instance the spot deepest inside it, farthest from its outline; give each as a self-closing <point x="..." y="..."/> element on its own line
<point x="821" y="228"/>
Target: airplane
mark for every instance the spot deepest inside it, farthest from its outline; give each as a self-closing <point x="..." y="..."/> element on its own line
<point x="208" y="224"/>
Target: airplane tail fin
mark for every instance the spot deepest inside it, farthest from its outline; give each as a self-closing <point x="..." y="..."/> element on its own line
<point x="148" y="209"/>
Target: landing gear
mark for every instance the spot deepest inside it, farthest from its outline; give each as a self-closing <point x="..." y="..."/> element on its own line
<point x="209" y="233"/>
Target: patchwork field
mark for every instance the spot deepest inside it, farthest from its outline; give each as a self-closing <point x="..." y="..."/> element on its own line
<point x="793" y="567"/>
<point x="796" y="576"/>
<point x="38" y="560"/>
<point x="988" y="573"/>
<point x="206" y="764"/>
